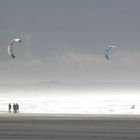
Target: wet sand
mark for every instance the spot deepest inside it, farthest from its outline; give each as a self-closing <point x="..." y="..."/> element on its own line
<point x="69" y="127"/>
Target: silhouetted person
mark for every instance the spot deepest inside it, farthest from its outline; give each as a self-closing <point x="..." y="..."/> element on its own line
<point x="14" y="108"/>
<point x="17" y="108"/>
<point x="9" y="108"/>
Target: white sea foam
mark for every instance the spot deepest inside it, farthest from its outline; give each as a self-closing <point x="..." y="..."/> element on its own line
<point x="78" y="104"/>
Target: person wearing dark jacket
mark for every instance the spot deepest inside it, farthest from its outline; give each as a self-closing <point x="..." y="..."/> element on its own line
<point x="9" y="108"/>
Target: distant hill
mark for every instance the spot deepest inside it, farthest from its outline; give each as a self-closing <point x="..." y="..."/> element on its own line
<point x="58" y="85"/>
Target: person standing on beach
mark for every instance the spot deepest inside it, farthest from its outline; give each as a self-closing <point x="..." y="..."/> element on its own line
<point x="9" y="108"/>
<point x="17" y="108"/>
<point x="14" y="108"/>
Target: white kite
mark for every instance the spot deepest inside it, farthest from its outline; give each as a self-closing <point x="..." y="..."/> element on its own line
<point x="10" y="47"/>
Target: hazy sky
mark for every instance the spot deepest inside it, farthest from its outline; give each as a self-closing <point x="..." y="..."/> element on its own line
<point x="64" y="40"/>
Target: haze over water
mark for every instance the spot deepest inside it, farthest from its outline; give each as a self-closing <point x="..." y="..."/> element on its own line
<point x="68" y="98"/>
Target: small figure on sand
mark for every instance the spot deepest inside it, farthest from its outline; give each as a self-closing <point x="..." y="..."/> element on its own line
<point x="9" y="108"/>
<point x="132" y="106"/>
<point x="17" y="108"/>
<point x="14" y="108"/>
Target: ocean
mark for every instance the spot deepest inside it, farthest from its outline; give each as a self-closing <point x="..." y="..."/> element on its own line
<point x="75" y="104"/>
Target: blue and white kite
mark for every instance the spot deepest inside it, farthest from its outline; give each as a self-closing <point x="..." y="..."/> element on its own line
<point x="107" y="50"/>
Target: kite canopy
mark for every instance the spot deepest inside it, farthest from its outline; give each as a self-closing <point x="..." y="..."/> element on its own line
<point x="107" y="50"/>
<point x="10" y="46"/>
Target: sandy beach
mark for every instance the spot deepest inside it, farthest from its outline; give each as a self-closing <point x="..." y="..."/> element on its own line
<point x="69" y="127"/>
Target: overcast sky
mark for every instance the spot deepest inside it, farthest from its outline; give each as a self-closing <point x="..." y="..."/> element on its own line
<point x="64" y="40"/>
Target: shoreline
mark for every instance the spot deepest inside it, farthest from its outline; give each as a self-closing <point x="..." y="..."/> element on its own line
<point x="61" y="117"/>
